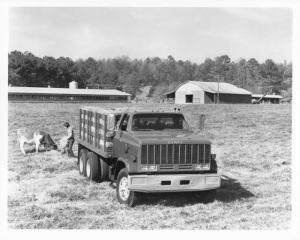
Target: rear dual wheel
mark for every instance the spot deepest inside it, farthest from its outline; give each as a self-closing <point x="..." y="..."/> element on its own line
<point x="92" y="167"/>
<point x="82" y="161"/>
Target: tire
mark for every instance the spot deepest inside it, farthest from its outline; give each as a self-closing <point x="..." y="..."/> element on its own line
<point x="82" y="161"/>
<point x="124" y="195"/>
<point x="103" y="171"/>
<point x="92" y="167"/>
<point x="207" y="196"/>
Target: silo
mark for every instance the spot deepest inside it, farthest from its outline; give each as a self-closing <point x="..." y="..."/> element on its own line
<point x="73" y="85"/>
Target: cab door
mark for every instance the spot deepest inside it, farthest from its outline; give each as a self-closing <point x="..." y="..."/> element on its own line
<point x="119" y="140"/>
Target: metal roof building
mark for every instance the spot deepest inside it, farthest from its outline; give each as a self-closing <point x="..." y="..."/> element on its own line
<point x="268" y="99"/>
<point x="66" y="94"/>
<point x="209" y="92"/>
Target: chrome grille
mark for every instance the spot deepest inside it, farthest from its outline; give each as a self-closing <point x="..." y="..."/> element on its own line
<point x="157" y="154"/>
<point x="144" y="156"/>
<point x="195" y="153"/>
<point x="176" y="154"/>
<point x="185" y="166"/>
<point x="150" y="154"/>
<point x="170" y="152"/>
<point x="163" y="154"/>
<point x="183" y="154"/>
<point x="188" y="153"/>
<point x="166" y="167"/>
<point x="201" y="153"/>
<point x="207" y="154"/>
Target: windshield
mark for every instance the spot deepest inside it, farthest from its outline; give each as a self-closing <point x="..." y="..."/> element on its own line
<point x="158" y="121"/>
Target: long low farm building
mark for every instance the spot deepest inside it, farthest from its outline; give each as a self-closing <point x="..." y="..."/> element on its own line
<point x="66" y="94"/>
<point x="199" y="92"/>
<point x="267" y="99"/>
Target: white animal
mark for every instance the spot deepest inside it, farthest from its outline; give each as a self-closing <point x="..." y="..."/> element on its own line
<point x="63" y="143"/>
<point x="24" y="137"/>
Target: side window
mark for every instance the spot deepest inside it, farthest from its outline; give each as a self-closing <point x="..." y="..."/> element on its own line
<point x="124" y="122"/>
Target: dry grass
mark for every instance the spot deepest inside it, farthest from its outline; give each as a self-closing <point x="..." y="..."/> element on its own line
<point x="253" y="146"/>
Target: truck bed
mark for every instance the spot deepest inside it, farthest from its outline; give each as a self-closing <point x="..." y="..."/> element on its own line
<point x="93" y="127"/>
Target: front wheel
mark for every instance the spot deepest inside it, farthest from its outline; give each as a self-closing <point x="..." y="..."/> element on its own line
<point x="124" y="195"/>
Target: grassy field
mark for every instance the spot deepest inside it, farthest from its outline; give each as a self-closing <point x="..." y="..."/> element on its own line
<point x="253" y="147"/>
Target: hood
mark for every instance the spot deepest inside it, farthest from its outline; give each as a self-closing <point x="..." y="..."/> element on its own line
<point x="170" y="137"/>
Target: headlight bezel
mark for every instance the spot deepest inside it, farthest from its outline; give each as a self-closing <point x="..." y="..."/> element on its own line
<point x="149" y="168"/>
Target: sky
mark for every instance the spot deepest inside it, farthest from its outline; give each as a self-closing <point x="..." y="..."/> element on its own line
<point x="192" y="34"/>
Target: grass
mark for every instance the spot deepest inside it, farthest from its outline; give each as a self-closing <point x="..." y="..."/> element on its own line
<point x="253" y="147"/>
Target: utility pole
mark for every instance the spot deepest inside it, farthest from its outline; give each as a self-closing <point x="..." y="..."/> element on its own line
<point x="218" y="89"/>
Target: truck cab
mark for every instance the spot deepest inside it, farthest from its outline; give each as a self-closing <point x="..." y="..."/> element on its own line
<point x="153" y="151"/>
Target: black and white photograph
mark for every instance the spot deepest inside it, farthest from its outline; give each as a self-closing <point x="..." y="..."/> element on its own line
<point x="149" y="118"/>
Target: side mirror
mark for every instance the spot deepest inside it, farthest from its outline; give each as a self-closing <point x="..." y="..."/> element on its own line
<point x="123" y="127"/>
<point x="110" y="134"/>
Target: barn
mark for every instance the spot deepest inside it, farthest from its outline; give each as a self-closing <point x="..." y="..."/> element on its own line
<point x="198" y="92"/>
<point x="71" y="94"/>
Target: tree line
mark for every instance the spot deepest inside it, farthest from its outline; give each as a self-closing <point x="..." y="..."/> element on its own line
<point x="123" y="73"/>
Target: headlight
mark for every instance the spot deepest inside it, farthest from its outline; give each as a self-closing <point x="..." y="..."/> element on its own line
<point x="150" y="168"/>
<point x="202" y="166"/>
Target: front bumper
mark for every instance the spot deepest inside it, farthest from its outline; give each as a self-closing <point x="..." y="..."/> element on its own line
<point x="174" y="182"/>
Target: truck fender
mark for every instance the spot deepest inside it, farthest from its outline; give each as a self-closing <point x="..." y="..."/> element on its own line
<point x="121" y="163"/>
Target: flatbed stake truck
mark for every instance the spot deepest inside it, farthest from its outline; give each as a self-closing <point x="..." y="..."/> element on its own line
<point x="145" y="151"/>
